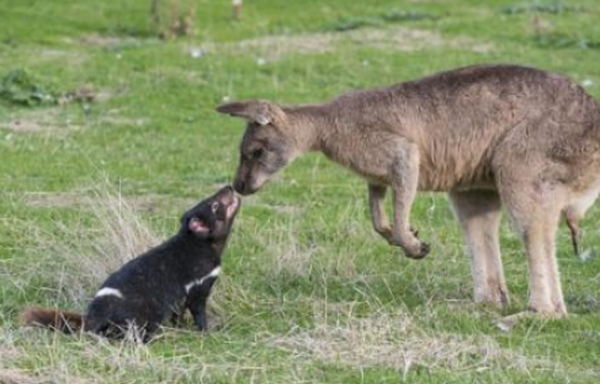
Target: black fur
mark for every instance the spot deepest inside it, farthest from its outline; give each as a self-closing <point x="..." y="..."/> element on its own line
<point x="153" y="285"/>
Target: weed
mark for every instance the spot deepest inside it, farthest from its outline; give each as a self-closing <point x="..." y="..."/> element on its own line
<point x="21" y="87"/>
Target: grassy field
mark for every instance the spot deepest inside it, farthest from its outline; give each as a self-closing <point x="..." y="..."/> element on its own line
<point x="309" y="292"/>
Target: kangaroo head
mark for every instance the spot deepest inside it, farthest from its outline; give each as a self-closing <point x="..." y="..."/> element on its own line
<point x="268" y="144"/>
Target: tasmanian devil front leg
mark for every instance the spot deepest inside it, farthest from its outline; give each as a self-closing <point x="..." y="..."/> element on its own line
<point x="196" y="302"/>
<point x="404" y="180"/>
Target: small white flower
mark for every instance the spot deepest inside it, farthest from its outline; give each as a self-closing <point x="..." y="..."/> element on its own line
<point x="197" y="53"/>
<point x="587" y="83"/>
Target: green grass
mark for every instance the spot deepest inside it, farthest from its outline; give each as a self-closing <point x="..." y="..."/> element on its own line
<point x="309" y="292"/>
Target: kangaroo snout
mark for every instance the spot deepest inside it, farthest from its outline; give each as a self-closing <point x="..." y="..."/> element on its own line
<point x="249" y="181"/>
<point x="241" y="187"/>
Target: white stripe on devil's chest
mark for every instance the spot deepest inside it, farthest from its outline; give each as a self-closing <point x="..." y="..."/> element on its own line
<point x="194" y="283"/>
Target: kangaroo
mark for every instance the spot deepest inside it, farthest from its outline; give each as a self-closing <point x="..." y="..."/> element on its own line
<point x="151" y="287"/>
<point x="490" y="136"/>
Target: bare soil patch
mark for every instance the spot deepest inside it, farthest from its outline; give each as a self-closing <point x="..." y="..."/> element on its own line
<point x="43" y="120"/>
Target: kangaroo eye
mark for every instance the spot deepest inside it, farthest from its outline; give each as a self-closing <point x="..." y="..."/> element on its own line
<point x="257" y="154"/>
<point x="215" y="206"/>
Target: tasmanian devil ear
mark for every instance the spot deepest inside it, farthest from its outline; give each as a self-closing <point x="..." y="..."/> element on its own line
<point x="197" y="226"/>
<point x="257" y="111"/>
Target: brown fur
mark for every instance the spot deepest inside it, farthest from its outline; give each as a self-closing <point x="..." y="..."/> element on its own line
<point x="490" y="136"/>
<point x="67" y="322"/>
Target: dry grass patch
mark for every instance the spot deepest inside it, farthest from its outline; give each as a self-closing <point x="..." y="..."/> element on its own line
<point x="274" y="48"/>
<point x="12" y="376"/>
<point x="79" y="257"/>
<point x="409" y="40"/>
<point x="278" y="47"/>
<point x="52" y="358"/>
<point x="88" y="200"/>
<point x="289" y="256"/>
<point x="394" y="340"/>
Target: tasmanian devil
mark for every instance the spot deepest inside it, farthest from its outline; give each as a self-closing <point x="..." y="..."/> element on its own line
<point x="152" y="287"/>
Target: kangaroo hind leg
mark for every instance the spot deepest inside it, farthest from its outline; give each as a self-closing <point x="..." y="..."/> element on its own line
<point x="536" y="216"/>
<point x="479" y="214"/>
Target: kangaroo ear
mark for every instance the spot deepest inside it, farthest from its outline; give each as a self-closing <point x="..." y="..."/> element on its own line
<point x="256" y="111"/>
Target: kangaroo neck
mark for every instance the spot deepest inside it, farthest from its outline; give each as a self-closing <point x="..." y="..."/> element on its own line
<point x="315" y="127"/>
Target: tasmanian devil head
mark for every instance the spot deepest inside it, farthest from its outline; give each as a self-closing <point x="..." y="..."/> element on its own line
<point x="267" y="145"/>
<point x="212" y="218"/>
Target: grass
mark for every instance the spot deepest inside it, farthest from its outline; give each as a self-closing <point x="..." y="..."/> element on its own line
<point x="308" y="293"/>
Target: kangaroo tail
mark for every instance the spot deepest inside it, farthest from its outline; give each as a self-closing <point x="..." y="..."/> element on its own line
<point x="67" y="322"/>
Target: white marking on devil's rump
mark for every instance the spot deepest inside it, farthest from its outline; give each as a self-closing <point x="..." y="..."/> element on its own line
<point x="214" y="273"/>
<point x="107" y="291"/>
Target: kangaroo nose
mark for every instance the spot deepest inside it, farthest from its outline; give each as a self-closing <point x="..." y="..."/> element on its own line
<point x="239" y="186"/>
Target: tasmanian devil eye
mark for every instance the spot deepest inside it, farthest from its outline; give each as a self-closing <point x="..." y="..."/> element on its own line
<point x="257" y="154"/>
<point x="215" y="206"/>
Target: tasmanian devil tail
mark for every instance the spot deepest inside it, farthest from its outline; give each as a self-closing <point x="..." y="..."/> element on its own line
<point x="67" y="322"/>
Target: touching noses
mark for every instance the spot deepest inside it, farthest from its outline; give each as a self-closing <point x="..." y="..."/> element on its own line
<point x="239" y="185"/>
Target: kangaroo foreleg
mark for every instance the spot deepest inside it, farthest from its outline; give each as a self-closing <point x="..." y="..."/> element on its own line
<point x="404" y="180"/>
<point x="379" y="218"/>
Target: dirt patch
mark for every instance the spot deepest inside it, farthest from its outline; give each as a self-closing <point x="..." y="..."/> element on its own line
<point x="46" y="120"/>
<point x="400" y="39"/>
<point x="22" y="126"/>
